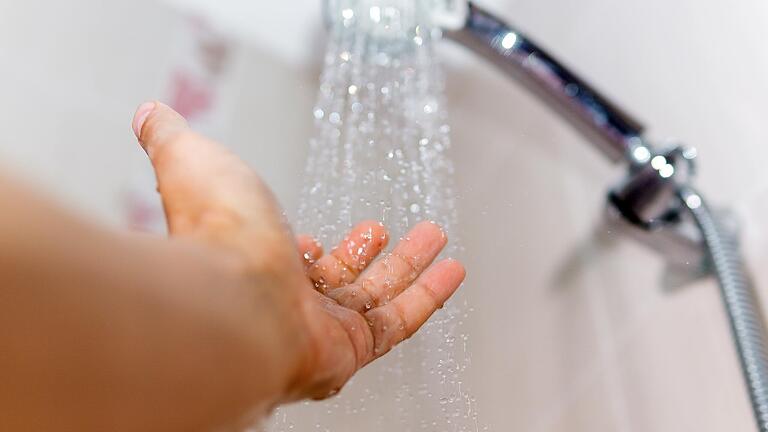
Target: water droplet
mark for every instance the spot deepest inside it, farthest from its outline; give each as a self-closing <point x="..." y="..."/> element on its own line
<point x="379" y="152"/>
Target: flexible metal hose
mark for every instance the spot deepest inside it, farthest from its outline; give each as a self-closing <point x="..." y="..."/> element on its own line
<point x="740" y="300"/>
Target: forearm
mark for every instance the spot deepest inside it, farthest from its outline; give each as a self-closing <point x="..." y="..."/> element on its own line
<point x="109" y="332"/>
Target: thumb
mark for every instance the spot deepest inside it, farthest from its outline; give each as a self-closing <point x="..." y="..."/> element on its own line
<point x="161" y="123"/>
<point x="207" y="191"/>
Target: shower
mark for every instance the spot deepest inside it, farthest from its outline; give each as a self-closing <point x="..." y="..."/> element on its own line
<point x="655" y="203"/>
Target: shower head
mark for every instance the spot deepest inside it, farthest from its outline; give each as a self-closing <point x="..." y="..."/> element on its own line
<point x="391" y="19"/>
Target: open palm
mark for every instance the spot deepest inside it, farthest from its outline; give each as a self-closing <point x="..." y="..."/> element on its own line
<point x="336" y="313"/>
<point x="367" y="305"/>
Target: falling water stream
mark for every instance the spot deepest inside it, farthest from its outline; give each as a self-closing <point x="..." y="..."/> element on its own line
<point x="379" y="152"/>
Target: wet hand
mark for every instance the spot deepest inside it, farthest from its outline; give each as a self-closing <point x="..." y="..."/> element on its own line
<point x="369" y="305"/>
<point x="333" y="313"/>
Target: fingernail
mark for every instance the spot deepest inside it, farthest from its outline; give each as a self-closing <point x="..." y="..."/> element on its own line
<point x="141" y="116"/>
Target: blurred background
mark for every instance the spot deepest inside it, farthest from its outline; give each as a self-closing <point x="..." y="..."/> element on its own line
<point x="573" y="330"/>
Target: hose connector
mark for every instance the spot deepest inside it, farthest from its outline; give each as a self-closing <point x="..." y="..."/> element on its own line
<point x="647" y="197"/>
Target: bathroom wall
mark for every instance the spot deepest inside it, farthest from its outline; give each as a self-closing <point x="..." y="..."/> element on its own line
<point x="573" y="329"/>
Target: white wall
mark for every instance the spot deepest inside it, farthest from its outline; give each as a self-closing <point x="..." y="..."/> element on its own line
<point x="569" y="333"/>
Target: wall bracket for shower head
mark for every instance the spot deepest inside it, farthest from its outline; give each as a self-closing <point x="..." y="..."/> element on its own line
<point x="647" y="196"/>
<point x="645" y="205"/>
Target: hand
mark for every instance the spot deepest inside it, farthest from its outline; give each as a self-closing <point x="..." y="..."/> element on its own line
<point x="333" y="315"/>
<point x="375" y="303"/>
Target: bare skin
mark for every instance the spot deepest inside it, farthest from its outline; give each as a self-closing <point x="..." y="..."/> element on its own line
<point x="213" y="327"/>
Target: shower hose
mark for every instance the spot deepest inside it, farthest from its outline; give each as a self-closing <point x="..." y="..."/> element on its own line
<point x="741" y="302"/>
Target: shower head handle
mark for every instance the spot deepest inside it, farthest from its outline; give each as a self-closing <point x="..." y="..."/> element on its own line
<point x="603" y="122"/>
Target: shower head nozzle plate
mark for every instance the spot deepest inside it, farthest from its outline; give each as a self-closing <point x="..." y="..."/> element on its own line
<point x="393" y="18"/>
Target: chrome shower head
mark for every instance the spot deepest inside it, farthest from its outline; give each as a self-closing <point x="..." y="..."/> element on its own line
<point x="390" y="19"/>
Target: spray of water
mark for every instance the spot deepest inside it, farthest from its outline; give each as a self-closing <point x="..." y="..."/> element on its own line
<point x="379" y="152"/>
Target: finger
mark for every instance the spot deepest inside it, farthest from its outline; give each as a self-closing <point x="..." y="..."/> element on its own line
<point x="390" y="275"/>
<point x="310" y="249"/>
<point x="209" y="192"/>
<point x="353" y="254"/>
<point x="154" y="123"/>
<point x="399" y="319"/>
